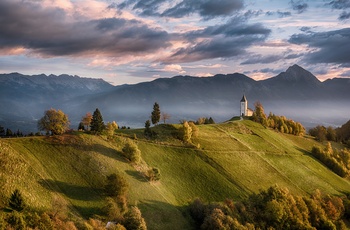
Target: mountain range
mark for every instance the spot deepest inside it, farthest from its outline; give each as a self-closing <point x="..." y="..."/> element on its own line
<point x="295" y="93"/>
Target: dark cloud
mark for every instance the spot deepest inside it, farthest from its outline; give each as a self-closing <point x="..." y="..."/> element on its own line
<point x="51" y="32"/>
<point x="220" y="41"/>
<point x="328" y="47"/>
<point x="260" y="59"/>
<point x="205" y="8"/>
<point x="344" y="16"/>
<point x="279" y="13"/>
<point x="340" y="4"/>
<point x="300" y="6"/>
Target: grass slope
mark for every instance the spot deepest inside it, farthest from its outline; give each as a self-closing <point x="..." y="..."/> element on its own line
<point x="233" y="160"/>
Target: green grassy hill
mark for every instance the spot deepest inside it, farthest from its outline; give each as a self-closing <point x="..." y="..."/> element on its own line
<point x="233" y="160"/>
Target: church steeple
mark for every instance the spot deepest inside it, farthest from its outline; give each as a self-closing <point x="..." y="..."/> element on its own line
<point x="244" y="106"/>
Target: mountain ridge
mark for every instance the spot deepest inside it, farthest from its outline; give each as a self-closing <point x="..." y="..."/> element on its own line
<point x="295" y="93"/>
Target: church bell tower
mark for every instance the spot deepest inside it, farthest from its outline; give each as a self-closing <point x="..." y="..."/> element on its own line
<point x="244" y="106"/>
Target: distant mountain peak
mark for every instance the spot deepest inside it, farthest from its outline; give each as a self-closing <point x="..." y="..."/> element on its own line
<point x="295" y="73"/>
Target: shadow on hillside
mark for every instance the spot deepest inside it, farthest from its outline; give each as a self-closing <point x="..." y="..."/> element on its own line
<point x="88" y="212"/>
<point x="303" y="151"/>
<point x="72" y="191"/>
<point x="109" y="152"/>
<point x="166" y="215"/>
<point x="135" y="174"/>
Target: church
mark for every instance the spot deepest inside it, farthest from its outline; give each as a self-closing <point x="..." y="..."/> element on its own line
<point x="245" y="111"/>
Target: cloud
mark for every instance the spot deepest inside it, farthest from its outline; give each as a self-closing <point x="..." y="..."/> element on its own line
<point x="344" y="16"/>
<point x="220" y="41"/>
<point x="339" y="4"/>
<point x="51" y="32"/>
<point x="205" y="8"/>
<point x="300" y="6"/>
<point x="327" y="47"/>
<point x="255" y="59"/>
<point x="281" y="14"/>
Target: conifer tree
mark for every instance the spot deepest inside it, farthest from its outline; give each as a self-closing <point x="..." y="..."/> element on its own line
<point x="16" y="201"/>
<point x="97" y="124"/>
<point x="155" y="114"/>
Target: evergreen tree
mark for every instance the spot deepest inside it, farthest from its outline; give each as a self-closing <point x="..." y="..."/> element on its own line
<point x="155" y="114"/>
<point x="16" y="201"/>
<point x="97" y="124"/>
<point x="211" y="120"/>
<point x="148" y="131"/>
<point x="9" y="132"/>
<point x="81" y="126"/>
<point x="2" y="131"/>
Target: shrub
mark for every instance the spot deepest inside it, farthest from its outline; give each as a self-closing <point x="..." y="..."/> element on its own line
<point x="131" y="152"/>
<point x="153" y="174"/>
<point x="116" y="185"/>
<point x="134" y="220"/>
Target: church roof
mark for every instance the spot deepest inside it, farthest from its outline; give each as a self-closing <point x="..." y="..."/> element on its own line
<point x="244" y="99"/>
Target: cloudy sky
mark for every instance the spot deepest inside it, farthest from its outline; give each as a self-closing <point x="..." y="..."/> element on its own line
<point x="130" y="41"/>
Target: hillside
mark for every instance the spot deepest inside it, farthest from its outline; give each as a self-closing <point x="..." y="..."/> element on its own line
<point x="234" y="160"/>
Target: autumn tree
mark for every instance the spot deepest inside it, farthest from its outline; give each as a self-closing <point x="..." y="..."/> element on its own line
<point x="259" y="114"/>
<point x="86" y="120"/>
<point x="155" y="116"/>
<point x="111" y="127"/>
<point x="165" y="117"/>
<point x="134" y="219"/>
<point x="54" y="121"/>
<point x="187" y="132"/>
<point x="97" y="124"/>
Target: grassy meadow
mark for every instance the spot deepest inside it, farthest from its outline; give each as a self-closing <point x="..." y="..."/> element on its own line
<point x="228" y="160"/>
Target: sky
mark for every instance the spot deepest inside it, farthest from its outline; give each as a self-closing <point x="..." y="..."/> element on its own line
<point x="132" y="41"/>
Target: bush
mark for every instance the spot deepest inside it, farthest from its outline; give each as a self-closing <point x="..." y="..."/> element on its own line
<point x="153" y="174"/>
<point x="132" y="152"/>
<point x="116" y="185"/>
<point x="134" y="220"/>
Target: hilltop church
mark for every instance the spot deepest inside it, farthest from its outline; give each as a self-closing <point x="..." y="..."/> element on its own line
<point x="245" y="111"/>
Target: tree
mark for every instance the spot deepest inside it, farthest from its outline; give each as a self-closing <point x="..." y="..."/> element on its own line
<point x="81" y="126"/>
<point x="155" y="117"/>
<point x="9" y="132"/>
<point x="16" y="201"/>
<point x="165" y="116"/>
<point x="54" y="121"/>
<point x="2" y="131"/>
<point x="148" y="131"/>
<point x="86" y="120"/>
<point x="211" y="120"/>
<point x="187" y="132"/>
<point x="111" y="127"/>
<point x="97" y="124"/>
<point x="134" y="219"/>
<point x="131" y="151"/>
<point x="116" y="185"/>
<point x="259" y="114"/>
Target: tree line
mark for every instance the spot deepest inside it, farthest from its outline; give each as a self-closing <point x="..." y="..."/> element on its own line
<point x="341" y="134"/>
<point x="280" y="123"/>
<point x="274" y="208"/>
